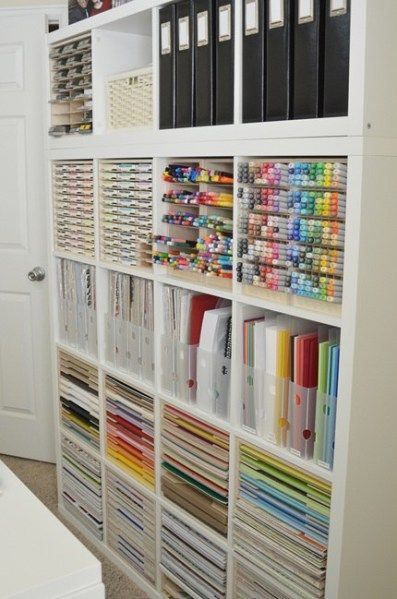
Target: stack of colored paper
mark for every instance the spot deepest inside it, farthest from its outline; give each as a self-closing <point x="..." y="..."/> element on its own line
<point x="129" y="428"/>
<point x="191" y="559"/>
<point x="195" y="460"/>
<point x="281" y="525"/>
<point x="78" y="395"/>
<point x="131" y="518"/>
<point x="82" y="486"/>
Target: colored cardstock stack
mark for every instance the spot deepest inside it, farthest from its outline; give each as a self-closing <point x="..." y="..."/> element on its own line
<point x="292" y="227"/>
<point x="126" y="211"/>
<point x="195" y="458"/>
<point x="78" y="396"/>
<point x="131" y="518"/>
<point x="281" y="525"/>
<point x="130" y="432"/>
<point x="192" y="560"/>
<point x="72" y="192"/>
<point x="82" y="486"/>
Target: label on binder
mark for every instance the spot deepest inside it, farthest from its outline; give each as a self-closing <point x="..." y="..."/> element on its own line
<point x="337" y="8"/>
<point x="276" y="14"/>
<point x="225" y="23"/>
<point x="305" y="11"/>
<point x="202" y="28"/>
<point x="166" y="38"/>
<point x="251" y="17"/>
<point x="183" y="30"/>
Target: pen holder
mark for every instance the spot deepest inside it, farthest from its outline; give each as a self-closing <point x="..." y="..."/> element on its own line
<point x="213" y="383"/>
<point x="147" y="355"/>
<point x="301" y="419"/>
<point x="324" y="436"/>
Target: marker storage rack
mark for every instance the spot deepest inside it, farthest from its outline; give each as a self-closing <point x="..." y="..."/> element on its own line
<point x="195" y="231"/>
<point x="71" y="87"/>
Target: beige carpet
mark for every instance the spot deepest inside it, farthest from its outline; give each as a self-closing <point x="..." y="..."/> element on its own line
<point x="40" y="478"/>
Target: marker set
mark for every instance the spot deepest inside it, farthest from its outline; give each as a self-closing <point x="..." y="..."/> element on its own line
<point x="205" y="221"/>
<point x="317" y="175"/>
<point x="126" y="212"/>
<point x="291" y="227"/>
<point x="179" y="173"/>
<point x="211" y="253"/>
<point x="72" y="183"/>
<point x="197" y="198"/>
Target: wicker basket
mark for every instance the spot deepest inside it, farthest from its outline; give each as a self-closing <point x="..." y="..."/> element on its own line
<point x="130" y="99"/>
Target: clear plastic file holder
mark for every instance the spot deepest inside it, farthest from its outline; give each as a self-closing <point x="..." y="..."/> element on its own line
<point x="301" y="420"/>
<point x="324" y="438"/>
<point x="265" y="405"/>
<point x="147" y="355"/>
<point x="130" y="348"/>
<point x="178" y="369"/>
<point x="213" y="383"/>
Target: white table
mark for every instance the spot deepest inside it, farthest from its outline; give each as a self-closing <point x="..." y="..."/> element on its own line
<point x="39" y="556"/>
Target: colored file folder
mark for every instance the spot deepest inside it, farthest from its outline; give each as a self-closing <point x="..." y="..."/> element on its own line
<point x="308" y="59"/>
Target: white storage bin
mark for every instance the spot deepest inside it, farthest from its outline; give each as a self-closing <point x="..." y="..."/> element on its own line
<point x="129" y="97"/>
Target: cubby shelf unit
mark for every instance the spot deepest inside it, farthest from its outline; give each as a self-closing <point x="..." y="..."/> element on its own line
<point x="363" y="531"/>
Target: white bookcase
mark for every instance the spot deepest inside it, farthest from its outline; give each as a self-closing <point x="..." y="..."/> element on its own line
<point x="363" y="530"/>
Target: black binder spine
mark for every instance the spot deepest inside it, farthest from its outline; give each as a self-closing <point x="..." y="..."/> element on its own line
<point x="167" y="67"/>
<point x="184" y="64"/>
<point x="224" y="62"/>
<point x="253" y="76"/>
<point x="308" y="59"/>
<point x="279" y="60"/>
<point x="204" y="30"/>
<point x="336" y="58"/>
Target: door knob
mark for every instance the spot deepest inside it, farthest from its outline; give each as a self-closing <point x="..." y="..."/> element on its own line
<point x="37" y="274"/>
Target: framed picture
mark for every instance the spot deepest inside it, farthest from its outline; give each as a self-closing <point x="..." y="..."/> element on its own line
<point x="82" y="9"/>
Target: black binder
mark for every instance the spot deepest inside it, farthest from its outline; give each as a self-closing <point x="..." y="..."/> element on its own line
<point x="204" y="25"/>
<point x="224" y="62"/>
<point x="308" y="59"/>
<point x="184" y="93"/>
<point x="279" y="60"/>
<point x="253" y="79"/>
<point x="167" y="67"/>
<point x="336" y="58"/>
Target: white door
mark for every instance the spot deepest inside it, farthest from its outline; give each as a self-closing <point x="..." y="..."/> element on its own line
<point x="26" y="417"/>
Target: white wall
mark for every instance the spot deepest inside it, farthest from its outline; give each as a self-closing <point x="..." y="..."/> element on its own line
<point x="26" y="3"/>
